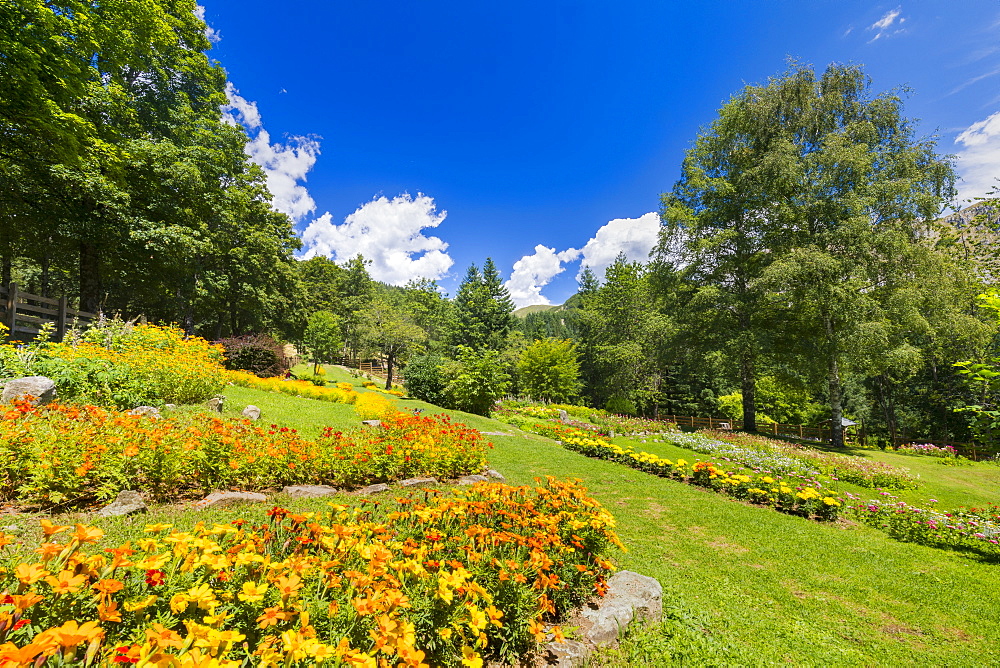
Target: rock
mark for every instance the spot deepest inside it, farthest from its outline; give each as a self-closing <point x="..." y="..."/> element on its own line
<point x="611" y="434"/>
<point x="630" y="595"/>
<point x="372" y="423"/>
<point x="417" y="482"/>
<point x="226" y="499"/>
<point x="251" y="412"/>
<point x="564" y="654"/>
<point x="472" y="479"/>
<point x="12" y="528"/>
<point x="309" y="490"/>
<point x="215" y="403"/>
<point x="41" y="388"/>
<point x="373" y="489"/>
<point x="151" y="411"/>
<point x="563" y="415"/>
<point x="492" y="473"/>
<point x="169" y="407"/>
<point x="128" y="501"/>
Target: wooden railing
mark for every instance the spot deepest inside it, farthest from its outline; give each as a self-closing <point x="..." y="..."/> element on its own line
<point x="371" y="367"/>
<point x="775" y="429"/>
<point x="24" y="313"/>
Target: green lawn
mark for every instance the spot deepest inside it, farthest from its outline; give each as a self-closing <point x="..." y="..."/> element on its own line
<point x="742" y="585"/>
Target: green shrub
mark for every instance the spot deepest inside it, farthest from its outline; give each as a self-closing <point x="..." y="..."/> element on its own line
<point x="259" y="354"/>
<point x="424" y="380"/>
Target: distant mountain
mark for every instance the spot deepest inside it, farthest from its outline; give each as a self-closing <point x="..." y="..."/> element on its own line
<point x="536" y="308"/>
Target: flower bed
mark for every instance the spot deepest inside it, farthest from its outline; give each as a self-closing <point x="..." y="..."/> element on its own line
<point x="122" y="365"/>
<point x="341" y="393"/>
<point x="927" y="449"/>
<point x="856" y="470"/>
<point x="972" y="529"/>
<point x="806" y="497"/>
<point x="456" y="579"/>
<point x="70" y="454"/>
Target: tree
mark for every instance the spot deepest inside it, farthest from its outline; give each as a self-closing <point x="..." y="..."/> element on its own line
<point x="474" y="381"/>
<point x="322" y="338"/>
<point x="483" y="314"/>
<point x="549" y="370"/>
<point x="390" y="331"/>
<point x="853" y="191"/>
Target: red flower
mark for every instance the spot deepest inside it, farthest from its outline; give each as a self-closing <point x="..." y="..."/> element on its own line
<point x="21" y="624"/>
<point x="155" y="577"/>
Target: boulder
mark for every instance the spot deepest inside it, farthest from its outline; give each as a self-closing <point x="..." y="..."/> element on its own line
<point x="251" y="412"/>
<point x="566" y="654"/>
<point x="372" y="423"/>
<point x="151" y="411"/>
<point x="128" y="501"/>
<point x="373" y="489"/>
<point x="492" y="473"/>
<point x="472" y="479"/>
<point x="563" y="415"/>
<point x="630" y="595"/>
<point x="41" y="388"/>
<point x="215" y="403"/>
<point x="309" y="490"/>
<point x="418" y="482"/>
<point x="169" y="407"/>
<point x="226" y="499"/>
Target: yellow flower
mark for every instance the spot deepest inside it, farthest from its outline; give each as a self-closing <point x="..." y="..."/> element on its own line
<point x="253" y="592"/>
<point x="144" y="603"/>
<point x="29" y="574"/>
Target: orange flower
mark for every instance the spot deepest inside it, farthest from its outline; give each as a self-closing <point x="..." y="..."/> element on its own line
<point x="108" y="612"/>
<point x="108" y="586"/>
<point x="51" y="529"/>
<point x="72" y="634"/>
<point x="84" y="534"/>
<point x="29" y="574"/>
<point x="66" y="582"/>
<point x="271" y="617"/>
<point x="161" y="636"/>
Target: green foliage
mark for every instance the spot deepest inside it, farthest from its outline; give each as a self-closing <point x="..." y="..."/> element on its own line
<point x="549" y="370"/>
<point x="474" y="381"/>
<point x="483" y="315"/>
<point x="424" y="380"/>
<point x="322" y="336"/>
<point x="620" y="405"/>
<point x="259" y="354"/>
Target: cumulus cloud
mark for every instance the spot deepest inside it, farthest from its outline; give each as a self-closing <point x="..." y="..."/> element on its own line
<point x="284" y="164"/>
<point x="635" y="237"/>
<point x="389" y="232"/>
<point x="884" y="26"/>
<point x="211" y="33"/>
<point x="979" y="159"/>
<point x="533" y="272"/>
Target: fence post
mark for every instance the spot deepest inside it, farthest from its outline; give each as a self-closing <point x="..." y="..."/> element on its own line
<point x="11" y="308"/>
<point x="692" y="422"/>
<point x="800" y="432"/>
<point x="710" y="422"/>
<point x="775" y="428"/>
<point x="61" y="319"/>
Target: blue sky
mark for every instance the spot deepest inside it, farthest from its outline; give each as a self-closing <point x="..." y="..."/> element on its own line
<point x="430" y="135"/>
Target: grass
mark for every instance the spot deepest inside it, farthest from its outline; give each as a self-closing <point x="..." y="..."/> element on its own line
<point x="742" y="585"/>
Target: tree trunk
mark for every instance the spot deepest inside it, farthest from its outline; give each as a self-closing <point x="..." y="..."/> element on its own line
<point x="836" y="414"/>
<point x="390" y="358"/>
<point x="90" y="277"/>
<point x="46" y="274"/>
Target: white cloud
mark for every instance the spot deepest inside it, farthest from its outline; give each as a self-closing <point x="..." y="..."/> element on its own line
<point x="284" y="164"/>
<point x="211" y="33"/>
<point x="979" y="159"/>
<point x="635" y="237"/>
<point x="883" y="26"/>
<point x="533" y="272"/>
<point x="387" y="232"/>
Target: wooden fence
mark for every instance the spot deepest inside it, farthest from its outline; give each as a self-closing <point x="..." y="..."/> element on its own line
<point x="371" y="368"/>
<point x="24" y="313"/>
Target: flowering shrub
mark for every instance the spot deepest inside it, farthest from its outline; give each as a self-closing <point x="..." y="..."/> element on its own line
<point x="343" y="393"/>
<point x="857" y="470"/>
<point x="976" y="529"/>
<point x="928" y="449"/>
<point x="58" y="454"/>
<point x="373" y="406"/>
<point x="455" y="579"/>
<point x="124" y="366"/>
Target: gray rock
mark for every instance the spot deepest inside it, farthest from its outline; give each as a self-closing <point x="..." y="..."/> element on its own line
<point x="151" y="411"/>
<point x="226" y="499"/>
<point x="251" y="412"/>
<point x="41" y="388"/>
<point x="417" y="482"/>
<point x="215" y="403"/>
<point x="472" y="479"/>
<point x="630" y="595"/>
<point x="12" y="528"/>
<point x="373" y="489"/>
<point x="372" y="423"/>
<point x="309" y="490"/>
<point x="493" y="473"/>
<point x="169" y="407"/>
<point x="563" y="415"/>
<point x="128" y="502"/>
<point x="564" y="654"/>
